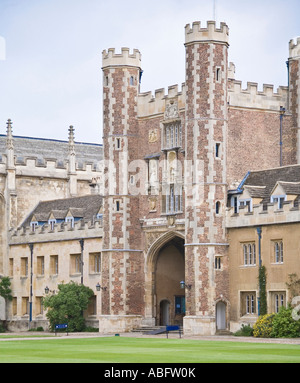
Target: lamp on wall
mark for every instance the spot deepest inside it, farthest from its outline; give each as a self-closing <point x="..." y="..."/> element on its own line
<point x="47" y="290"/>
<point x="184" y="285"/>
<point x="99" y="287"/>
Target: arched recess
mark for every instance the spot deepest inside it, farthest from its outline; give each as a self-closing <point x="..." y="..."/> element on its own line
<point x="222" y="315"/>
<point x="160" y="270"/>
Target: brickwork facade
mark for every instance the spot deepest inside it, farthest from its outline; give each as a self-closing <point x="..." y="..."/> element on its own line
<point x="170" y="161"/>
<point x="173" y="157"/>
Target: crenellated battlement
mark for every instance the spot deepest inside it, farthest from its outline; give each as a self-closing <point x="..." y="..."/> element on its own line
<point x="125" y="58"/>
<point x="51" y="167"/>
<point x="209" y="33"/>
<point x="62" y="231"/>
<point x="294" y="48"/>
<point x="251" y="97"/>
<point x="260" y="216"/>
<point x="149" y="104"/>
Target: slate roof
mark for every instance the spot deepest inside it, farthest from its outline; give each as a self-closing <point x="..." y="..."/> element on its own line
<point x="85" y="207"/>
<point x="289" y="177"/>
<point x="42" y="148"/>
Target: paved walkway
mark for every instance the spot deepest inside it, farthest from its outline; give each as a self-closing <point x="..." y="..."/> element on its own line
<point x="229" y="338"/>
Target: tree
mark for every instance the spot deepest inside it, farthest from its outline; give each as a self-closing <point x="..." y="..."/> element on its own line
<point x="5" y="291"/>
<point x="67" y="306"/>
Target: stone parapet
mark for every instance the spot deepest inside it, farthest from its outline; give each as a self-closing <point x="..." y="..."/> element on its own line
<point x="260" y="216"/>
<point x="125" y="58"/>
<point x="251" y="97"/>
<point x="60" y="232"/>
<point x="209" y="33"/>
<point x="149" y="105"/>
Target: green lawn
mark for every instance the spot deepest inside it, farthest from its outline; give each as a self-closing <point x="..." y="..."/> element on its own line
<point x="138" y="350"/>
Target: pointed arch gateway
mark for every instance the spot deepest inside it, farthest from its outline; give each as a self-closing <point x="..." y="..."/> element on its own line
<point x="165" y="269"/>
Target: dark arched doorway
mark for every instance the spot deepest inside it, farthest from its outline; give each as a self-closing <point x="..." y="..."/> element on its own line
<point x="169" y="271"/>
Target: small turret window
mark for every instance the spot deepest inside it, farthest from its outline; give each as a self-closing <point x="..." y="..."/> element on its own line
<point x="218" y="207"/>
<point x="131" y="80"/>
<point x="217" y="150"/>
<point x="218" y="74"/>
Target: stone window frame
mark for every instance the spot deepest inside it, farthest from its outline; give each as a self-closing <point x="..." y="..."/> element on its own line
<point x="277" y="251"/>
<point x="171" y="134"/>
<point x="249" y="254"/>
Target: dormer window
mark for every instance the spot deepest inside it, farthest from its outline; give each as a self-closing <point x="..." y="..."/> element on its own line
<point x="246" y="203"/>
<point x="70" y="219"/>
<point x="278" y="199"/>
<point x="51" y="223"/>
<point x="33" y="225"/>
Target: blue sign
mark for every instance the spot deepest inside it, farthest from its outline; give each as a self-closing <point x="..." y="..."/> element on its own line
<point x="64" y="325"/>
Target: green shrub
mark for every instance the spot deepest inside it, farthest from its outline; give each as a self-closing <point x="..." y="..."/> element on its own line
<point x="245" y="330"/>
<point x="263" y="326"/>
<point x="68" y="305"/>
<point x="284" y="326"/>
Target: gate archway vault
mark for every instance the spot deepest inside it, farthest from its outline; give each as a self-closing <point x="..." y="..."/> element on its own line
<point x="150" y="282"/>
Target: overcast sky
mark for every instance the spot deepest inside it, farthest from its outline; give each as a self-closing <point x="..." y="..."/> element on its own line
<point x="51" y="53"/>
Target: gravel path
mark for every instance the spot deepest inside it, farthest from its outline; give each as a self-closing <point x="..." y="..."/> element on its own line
<point x="228" y="338"/>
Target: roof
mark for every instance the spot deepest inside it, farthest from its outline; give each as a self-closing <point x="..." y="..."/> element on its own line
<point x="84" y="207"/>
<point x="42" y="148"/>
<point x="287" y="176"/>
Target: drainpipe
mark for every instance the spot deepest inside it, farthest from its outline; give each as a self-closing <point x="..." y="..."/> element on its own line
<point x="288" y="75"/>
<point x="258" y="229"/>
<point x="81" y="241"/>
<point x="31" y="274"/>
<point x="282" y="111"/>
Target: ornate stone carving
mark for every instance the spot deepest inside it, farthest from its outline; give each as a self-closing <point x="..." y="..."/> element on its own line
<point x="171" y="110"/>
<point x="153" y="135"/>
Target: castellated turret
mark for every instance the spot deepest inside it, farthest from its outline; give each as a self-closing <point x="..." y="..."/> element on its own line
<point x="294" y="87"/>
<point x="205" y="177"/>
<point x="125" y="58"/>
<point x="208" y="33"/>
<point x="122" y="252"/>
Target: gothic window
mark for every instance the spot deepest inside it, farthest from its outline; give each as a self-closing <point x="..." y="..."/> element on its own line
<point x="278" y="252"/>
<point x="248" y="302"/>
<point x="249" y="254"/>
<point x="172" y="135"/>
<point x="278" y="300"/>
<point x="172" y="200"/>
